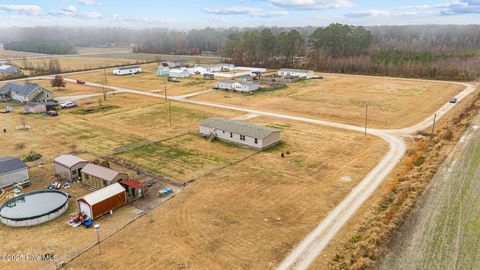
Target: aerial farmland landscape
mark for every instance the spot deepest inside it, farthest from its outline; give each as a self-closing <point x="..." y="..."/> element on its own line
<point x="244" y="135"/>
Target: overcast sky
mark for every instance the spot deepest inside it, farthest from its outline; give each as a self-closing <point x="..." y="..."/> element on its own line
<point x="187" y="14"/>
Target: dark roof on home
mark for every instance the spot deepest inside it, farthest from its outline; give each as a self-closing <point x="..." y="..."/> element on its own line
<point x="19" y="89"/>
<point x="8" y="69"/>
<point x="247" y="129"/>
<point x="10" y="164"/>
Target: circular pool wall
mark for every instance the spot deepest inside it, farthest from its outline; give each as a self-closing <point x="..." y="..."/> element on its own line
<point x="33" y="208"/>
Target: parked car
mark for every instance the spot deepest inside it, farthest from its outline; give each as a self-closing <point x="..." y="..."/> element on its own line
<point x="80" y="82"/>
<point x="453" y="100"/>
<point x="68" y="104"/>
<point x="51" y="113"/>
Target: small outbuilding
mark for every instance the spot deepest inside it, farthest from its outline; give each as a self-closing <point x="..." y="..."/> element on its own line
<point x="242" y="133"/>
<point x="163" y="71"/>
<point x="97" y="176"/>
<point x="209" y="76"/>
<point x="127" y="70"/>
<point x="135" y="189"/>
<point x="69" y="167"/>
<point x="102" y="201"/>
<point x="13" y="171"/>
<point x="39" y="107"/>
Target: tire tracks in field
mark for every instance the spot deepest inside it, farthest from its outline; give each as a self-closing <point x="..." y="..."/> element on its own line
<point x="305" y="252"/>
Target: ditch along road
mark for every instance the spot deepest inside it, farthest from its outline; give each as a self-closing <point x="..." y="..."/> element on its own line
<point x="305" y="252"/>
<point x="441" y="232"/>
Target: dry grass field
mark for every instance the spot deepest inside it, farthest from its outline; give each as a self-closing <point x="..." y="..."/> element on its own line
<point x="125" y="120"/>
<point x="87" y="50"/>
<point x="73" y="63"/>
<point x="195" y="59"/>
<point x="247" y="215"/>
<point x="70" y="88"/>
<point x="4" y="54"/>
<point x="392" y="103"/>
<point x="148" y="81"/>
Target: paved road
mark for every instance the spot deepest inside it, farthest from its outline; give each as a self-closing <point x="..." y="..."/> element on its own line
<point x="305" y="253"/>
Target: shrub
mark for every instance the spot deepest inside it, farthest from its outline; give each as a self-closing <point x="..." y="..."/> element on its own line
<point x="32" y="157"/>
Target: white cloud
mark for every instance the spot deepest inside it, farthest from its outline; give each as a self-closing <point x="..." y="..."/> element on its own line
<point x="22" y="9"/>
<point x="70" y="9"/>
<point x="86" y="2"/>
<point x="368" y="13"/>
<point x="93" y="15"/>
<point x="311" y="4"/>
<point x="462" y="7"/>
<point x="254" y="12"/>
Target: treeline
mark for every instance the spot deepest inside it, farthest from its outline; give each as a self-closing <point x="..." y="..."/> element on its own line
<point x="41" y="46"/>
<point x="447" y="52"/>
<point x="431" y="52"/>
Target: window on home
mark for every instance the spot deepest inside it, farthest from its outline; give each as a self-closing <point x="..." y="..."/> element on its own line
<point x="231" y="135"/>
<point x="256" y="140"/>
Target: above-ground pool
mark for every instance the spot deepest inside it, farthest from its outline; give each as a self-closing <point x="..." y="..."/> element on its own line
<point x="33" y="208"/>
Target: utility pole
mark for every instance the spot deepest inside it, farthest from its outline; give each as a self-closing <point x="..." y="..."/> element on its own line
<point x="168" y="101"/>
<point x="105" y="75"/>
<point x="433" y="126"/>
<point x="366" y="118"/>
<point x="96" y="227"/>
<point x="104" y="90"/>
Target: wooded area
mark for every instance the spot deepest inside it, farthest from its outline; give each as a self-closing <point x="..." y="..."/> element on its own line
<point x="449" y="52"/>
<point x="41" y="46"/>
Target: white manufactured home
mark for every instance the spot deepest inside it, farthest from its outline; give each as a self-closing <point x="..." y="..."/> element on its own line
<point x="127" y="70"/>
<point x="13" y="171"/>
<point x="246" y="134"/>
<point x="179" y="73"/>
<point x="213" y="68"/>
<point x="307" y="74"/>
<point x="240" y="86"/>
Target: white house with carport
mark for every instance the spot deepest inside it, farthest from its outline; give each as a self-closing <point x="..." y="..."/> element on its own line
<point x="240" y="86"/>
<point x="285" y="72"/>
<point x="13" y="171"/>
<point x="130" y="70"/>
<point x="242" y="133"/>
<point x="68" y="167"/>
